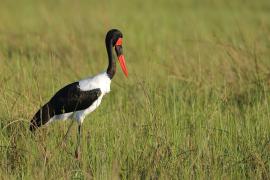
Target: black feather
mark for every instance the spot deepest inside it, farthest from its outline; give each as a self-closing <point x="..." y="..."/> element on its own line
<point x="68" y="99"/>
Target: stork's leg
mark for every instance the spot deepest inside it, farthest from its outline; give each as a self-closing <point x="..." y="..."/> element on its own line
<point x="77" y="151"/>
<point x="67" y="133"/>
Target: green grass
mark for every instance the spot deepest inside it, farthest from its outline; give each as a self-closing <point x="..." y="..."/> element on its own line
<point x="195" y="106"/>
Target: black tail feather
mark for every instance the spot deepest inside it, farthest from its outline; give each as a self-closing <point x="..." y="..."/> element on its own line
<point x="41" y="117"/>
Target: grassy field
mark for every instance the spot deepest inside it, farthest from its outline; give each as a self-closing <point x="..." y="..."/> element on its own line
<point x="195" y="106"/>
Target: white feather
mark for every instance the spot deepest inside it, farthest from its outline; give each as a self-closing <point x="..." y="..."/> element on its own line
<point x="101" y="81"/>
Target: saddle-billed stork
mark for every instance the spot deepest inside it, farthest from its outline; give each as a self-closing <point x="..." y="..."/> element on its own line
<point x="78" y="99"/>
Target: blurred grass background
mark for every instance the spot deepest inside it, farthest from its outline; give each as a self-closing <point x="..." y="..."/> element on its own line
<point x="196" y="103"/>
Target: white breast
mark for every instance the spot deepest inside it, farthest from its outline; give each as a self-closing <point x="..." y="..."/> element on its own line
<point x="101" y="81"/>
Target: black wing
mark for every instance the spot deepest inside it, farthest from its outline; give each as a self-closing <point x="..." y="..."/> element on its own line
<point x="71" y="98"/>
<point x="68" y="99"/>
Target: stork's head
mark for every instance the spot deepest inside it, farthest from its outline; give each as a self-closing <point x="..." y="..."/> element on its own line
<point x="114" y="37"/>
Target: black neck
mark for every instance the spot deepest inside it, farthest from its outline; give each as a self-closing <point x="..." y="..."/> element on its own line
<point x="112" y="65"/>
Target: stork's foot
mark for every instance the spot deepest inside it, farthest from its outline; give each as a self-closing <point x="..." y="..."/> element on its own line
<point x="77" y="154"/>
<point x="77" y="151"/>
